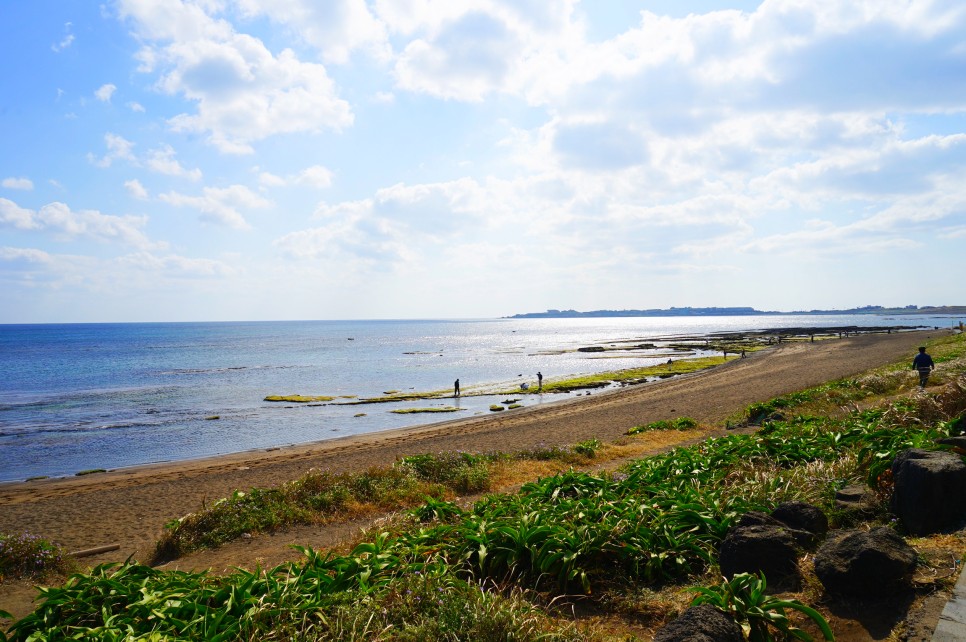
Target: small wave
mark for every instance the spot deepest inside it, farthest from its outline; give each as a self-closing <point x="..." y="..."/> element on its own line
<point x="197" y="371"/>
<point x="77" y="429"/>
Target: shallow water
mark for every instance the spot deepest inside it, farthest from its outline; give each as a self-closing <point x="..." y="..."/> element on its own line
<point x="77" y="397"/>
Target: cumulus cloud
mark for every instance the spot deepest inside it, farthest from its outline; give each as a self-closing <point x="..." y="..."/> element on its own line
<point x="336" y="28"/>
<point x="220" y="205"/>
<point x="65" y="224"/>
<point x="162" y="160"/>
<point x="467" y="51"/>
<point x="351" y="244"/>
<point x="136" y="189"/>
<point x="104" y="92"/>
<point x="243" y="92"/>
<point x="315" y="176"/>
<point x="118" y="148"/>
<point x="135" y="106"/>
<point x="18" y="183"/>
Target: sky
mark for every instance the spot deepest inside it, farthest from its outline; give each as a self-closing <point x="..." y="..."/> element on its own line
<point x="207" y="160"/>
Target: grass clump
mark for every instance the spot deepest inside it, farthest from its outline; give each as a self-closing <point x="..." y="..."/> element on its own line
<point x="26" y="556"/>
<point x="681" y="423"/>
<point x="408" y="411"/>
<point x="632" y="375"/>
<point x="373" y="593"/>
<point x="321" y="496"/>
<point x="299" y="398"/>
<point x="90" y="471"/>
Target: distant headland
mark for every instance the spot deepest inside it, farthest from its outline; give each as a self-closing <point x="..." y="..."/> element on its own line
<point x="739" y="311"/>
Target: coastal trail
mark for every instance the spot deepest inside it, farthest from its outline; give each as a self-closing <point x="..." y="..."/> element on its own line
<point x="129" y="507"/>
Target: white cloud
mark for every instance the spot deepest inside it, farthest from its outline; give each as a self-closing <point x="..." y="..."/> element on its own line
<point x="220" y="205"/>
<point x="65" y="42"/>
<point x="466" y="51"/>
<point x="66" y="224"/>
<point x="336" y="28"/>
<point x="118" y="148"/>
<point x="104" y="92"/>
<point x="24" y="255"/>
<point x="162" y="160"/>
<point x="13" y="215"/>
<point x="243" y="92"/>
<point x="351" y="245"/>
<point x="136" y="189"/>
<point x="18" y="183"/>
<point x="315" y="176"/>
<point x="135" y="106"/>
<point x="173" y="265"/>
<point x="267" y="179"/>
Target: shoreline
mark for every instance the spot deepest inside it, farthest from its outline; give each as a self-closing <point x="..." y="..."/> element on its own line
<point x="130" y="507"/>
<point x="324" y="447"/>
<point x="731" y="342"/>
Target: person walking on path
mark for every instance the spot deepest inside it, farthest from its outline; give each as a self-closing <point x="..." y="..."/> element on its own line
<point x="924" y="364"/>
<point x="456" y="388"/>
<point x="539" y="381"/>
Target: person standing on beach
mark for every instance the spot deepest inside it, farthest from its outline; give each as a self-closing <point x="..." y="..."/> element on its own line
<point x="539" y="381"/>
<point x="456" y="388"/>
<point x="924" y="364"/>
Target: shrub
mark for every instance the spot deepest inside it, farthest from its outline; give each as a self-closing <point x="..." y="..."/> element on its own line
<point x="29" y="556"/>
<point x="681" y="423"/>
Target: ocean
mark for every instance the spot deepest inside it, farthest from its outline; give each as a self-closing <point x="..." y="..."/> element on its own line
<point x="77" y="397"/>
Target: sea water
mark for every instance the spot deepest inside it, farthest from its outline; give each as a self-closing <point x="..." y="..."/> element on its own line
<point x="76" y="397"/>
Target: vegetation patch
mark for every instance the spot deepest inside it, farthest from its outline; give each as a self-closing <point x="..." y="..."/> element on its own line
<point x="496" y="408"/>
<point x="408" y="411"/>
<point x="299" y="398"/>
<point x="26" y="556"/>
<point x="681" y="423"/>
<point x="90" y="471"/>
<point x="632" y="375"/>
<point x="395" y="396"/>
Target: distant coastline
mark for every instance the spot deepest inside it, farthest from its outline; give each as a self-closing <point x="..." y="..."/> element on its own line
<point x="951" y="310"/>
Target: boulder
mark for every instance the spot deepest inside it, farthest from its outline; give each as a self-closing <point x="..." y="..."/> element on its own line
<point x="860" y="563"/>
<point x="958" y="443"/>
<point x="930" y="490"/>
<point x="856" y="498"/>
<point x="808" y="523"/>
<point x="757" y="518"/>
<point x="702" y="623"/>
<point x="762" y="548"/>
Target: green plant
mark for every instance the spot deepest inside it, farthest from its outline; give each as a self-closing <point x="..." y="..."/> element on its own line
<point x="409" y="411"/>
<point x="437" y="510"/>
<point x="587" y="448"/>
<point x="745" y="600"/>
<point x="681" y="423"/>
<point x="29" y="556"/>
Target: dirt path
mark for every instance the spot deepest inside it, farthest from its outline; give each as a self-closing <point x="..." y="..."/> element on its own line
<point x="129" y="507"/>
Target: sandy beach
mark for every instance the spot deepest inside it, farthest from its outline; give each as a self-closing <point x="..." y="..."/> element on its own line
<point x="129" y="507"/>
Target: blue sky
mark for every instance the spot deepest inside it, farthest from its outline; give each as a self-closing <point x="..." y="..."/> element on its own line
<point x="173" y="160"/>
